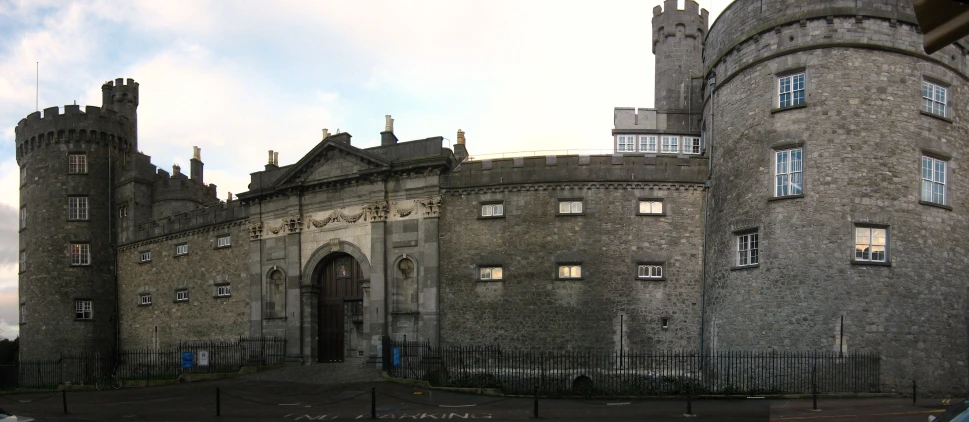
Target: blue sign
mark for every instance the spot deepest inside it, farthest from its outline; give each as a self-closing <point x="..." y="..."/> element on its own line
<point x="396" y="356"/>
<point x="187" y="358"/>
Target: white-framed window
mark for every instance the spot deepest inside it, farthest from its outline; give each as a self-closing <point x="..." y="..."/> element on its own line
<point x="492" y="210"/>
<point x="567" y="271"/>
<point x="181" y="295"/>
<point x="871" y="244"/>
<point x="748" y="249"/>
<point x="570" y="207"/>
<point x="145" y="256"/>
<point x="23" y="261"/>
<point x="83" y="309"/>
<point x="80" y="254"/>
<point x="222" y="291"/>
<point x="648" y="143"/>
<point x="625" y="143"/>
<point x="650" y="206"/>
<point x="220" y="242"/>
<point x="790" y="90"/>
<point x="934" y="98"/>
<point x="23" y="313"/>
<point x="181" y="249"/>
<point x="144" y="299"/>
<point x="77" y="208"/>
<point x="671" y="144"/>
<point x="77" y="163"/>
<point x="691" y="145"/>
<point x="788" y="172"/>
<point x="933" y="180"/>
<point x="648" y="271"/>
<point x="491" y="273"/>
<point x="23" y="217"/>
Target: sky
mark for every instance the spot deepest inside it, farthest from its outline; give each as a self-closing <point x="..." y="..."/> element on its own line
<point x="238" y="78"/>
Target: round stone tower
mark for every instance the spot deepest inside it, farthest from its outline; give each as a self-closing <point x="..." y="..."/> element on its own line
<point x="678" y="47"/>
<point x="68" y="160"/>
<point x="838" y="211"/>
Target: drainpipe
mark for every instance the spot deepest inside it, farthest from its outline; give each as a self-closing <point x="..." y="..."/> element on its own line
<point x="708" y="185"/>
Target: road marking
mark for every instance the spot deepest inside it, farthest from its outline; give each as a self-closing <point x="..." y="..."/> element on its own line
<point x="795" y="418"/>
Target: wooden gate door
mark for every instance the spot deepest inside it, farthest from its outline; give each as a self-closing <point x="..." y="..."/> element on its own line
<point x="340" y="285"/>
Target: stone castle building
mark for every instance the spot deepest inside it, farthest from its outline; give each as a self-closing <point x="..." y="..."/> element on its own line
<point x="797" y="186"/>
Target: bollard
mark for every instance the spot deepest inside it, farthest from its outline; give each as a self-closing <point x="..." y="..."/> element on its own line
<point x="814" y="395"/>
<point x="914" y="391"/>
<point x="689" y="399"/>
<point x="536" y="403"/>
<point x="373" y="402"/>
<point x="64" y="400"/>
<point x="218" y="404"/>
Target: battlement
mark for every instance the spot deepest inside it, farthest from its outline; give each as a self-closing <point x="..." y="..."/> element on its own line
<point x="178" y="187"/>
<point x="119" y="92"/>
<point x="669" y="21"/>
<point x="94" y="125"/>
<point x="208" y="217"/>
<point x="617" y="168"/>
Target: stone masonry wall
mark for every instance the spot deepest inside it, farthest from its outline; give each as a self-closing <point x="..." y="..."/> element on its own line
<point x="863" y="136"/>
<point x="530" y="308"/>
<point x="203" y="316"/>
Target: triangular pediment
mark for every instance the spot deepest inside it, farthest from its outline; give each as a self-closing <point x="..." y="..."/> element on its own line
<point x="331" y="159"/>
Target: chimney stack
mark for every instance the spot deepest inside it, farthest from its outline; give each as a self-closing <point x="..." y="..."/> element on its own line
<point x="326" y="133"/>
<point x="276" y="158"/>
<point x="195" y="165"/>
<point x="230" y="196"/>
<point x="387" y="137"/>
<point x="176" y="169"/>
<point x="460" y="150"/>
<point x="271" y="165"/>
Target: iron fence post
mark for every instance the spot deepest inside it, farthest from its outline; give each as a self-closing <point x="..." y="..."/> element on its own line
<point x="218" y="404"/>
<point x="373" y="402"/>
<point x="64" y="400"/>
<point x="535" y="412"/>
<point x="914" y="391"/>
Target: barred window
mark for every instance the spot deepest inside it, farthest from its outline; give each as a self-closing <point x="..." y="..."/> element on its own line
<point x="80" y="254"/>
<point x="83" y="309"/>
<point x="77" y="208"/>
<point x="77" y="163"/>
<point x="222" y="291"/>
<point x="181" y="295"/>
<point x="145" y="299"/>
<point x="145" y="256"/>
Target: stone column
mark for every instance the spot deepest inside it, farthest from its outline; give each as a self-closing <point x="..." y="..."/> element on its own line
<point x="430" y="282"/>
<point x="309" y="332"/>
<point x="377" y="308"/>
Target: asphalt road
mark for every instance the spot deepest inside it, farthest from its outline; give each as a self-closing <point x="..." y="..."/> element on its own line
<point x="258" y="400"/>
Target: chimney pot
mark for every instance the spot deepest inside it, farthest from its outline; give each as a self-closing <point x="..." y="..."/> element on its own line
<point x="390" y="124"/>
<point x="197" y="153"/>
<point x="460" y="137"/>
<point x="230" y="196"/>
<point x="270" y="156"/>
<point x="276" y="158"/>
<point x="326" y="133"/>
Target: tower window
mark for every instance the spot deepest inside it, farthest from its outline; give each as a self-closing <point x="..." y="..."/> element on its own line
<point x="650" y="271"/>
<point x="871" y="244"/>
<point x="77" y="208"/>
<point x="145" y="256"/>
<point x="490" y="273"/>
<point x="933" y="180"/>
<point x="787" y="172"/>
<point x="80" y="254"/>
<point x="222" y="242"/>
<point x="83" y="309"/>
<point x="748" y="249"/>
<point x="23" y="313"/>
<point x="934" y="98"/>
<point x="181" y="295"/>
<point x="570" y="207"/>
<point x="181" y="249"/>
<point x="790" y="90"/>
<point x="23" y="261"/>
<point x="77" y="163"/>
<point x="222" y="291"/>
<point x="23" y="176"/>
<point x="493" y="210"/>
<point x="651" y="207"/>
<point x="23" y="217"/>
<point x="570" y="271"/>
<point x="144" y="299"/>
<point x="647" y="143"/>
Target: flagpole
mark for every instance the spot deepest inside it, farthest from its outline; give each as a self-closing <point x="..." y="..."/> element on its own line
<point x="37" y="98"/>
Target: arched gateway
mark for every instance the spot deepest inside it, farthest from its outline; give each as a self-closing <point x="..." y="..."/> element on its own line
<point x="340" y="308"/>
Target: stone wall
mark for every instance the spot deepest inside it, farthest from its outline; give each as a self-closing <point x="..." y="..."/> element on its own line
<point x="530" y="307"/>
<point x="863" y="136"/>
<point x="204" y="316"/>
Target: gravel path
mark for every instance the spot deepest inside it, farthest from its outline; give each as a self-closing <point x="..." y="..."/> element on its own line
<point x="320" y="373"/>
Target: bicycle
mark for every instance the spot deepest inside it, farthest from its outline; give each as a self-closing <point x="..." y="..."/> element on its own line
<point x="115" y="381"/>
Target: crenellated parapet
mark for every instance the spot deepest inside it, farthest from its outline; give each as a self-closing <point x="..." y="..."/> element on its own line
<point x="213" y="217"/>
<point x="593" y="171"/>
<point x="670" y="22"/>
<point x="93" y="125"/>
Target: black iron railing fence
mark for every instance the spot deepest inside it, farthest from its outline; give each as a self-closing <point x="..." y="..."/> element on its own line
<point x="633" y="373"/>
<point x="151" y="363"/>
